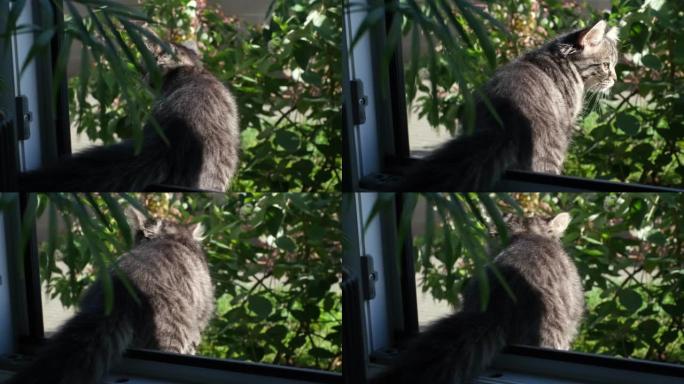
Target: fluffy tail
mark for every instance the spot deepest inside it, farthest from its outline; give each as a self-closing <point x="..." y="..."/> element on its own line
<point x="452" y="351"/>
<point x="86" y="346"/>
<point x="110" y="168"/>
<point x="476" y="162"/>
<point x="469" y="163"/>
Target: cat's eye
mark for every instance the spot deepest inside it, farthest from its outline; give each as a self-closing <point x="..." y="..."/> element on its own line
<point x="606" y="66"/>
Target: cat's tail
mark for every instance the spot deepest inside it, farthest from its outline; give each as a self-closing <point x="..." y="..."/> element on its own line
<point x="470" y="163"/>
<point x="454" y="350"/>
<point x="82" y="350"/>
<point x="107" y="168"/>
<point x="475" y="162"/>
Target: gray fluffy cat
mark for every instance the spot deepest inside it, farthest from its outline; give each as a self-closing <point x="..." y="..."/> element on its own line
<point x="169" y="274"/>
<point x="538" y="98"/>
<point x="199" y="117"/>
<point x="546" y="312"/>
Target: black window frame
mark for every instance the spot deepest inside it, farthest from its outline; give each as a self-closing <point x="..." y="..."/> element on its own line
<point x="56" y="128"/>
<point x="396" y="156"/>
<point x="30" y="331"/>
<point x="407" y="327"/>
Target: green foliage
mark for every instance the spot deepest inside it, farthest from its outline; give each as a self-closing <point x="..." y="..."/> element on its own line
<point x="634" y="135"/>
<point x="285" y="74"/>
<point x="638" y="135"/>
<point x="628" y="250"/>
<point x="274" y="258"/>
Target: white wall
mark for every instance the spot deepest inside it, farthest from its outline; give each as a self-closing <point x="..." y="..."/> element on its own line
<point x="27" y="85"/>
<point x="6" y="333"/>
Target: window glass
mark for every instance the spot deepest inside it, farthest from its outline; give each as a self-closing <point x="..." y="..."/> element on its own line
<point x="633" y="134"/>
<point x="282" y="68"/>
<point x="625" y="246"/>
<point x="274" y="261"/>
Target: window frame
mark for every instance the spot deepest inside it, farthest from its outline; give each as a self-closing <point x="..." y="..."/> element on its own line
<point x="395" y="151"/>
<point x="535" y="360"/>
<point x="55" y="127"/>
<point x="29" y="332"/>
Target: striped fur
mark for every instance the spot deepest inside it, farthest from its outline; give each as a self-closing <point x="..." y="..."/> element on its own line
<point x="546" y="312"/>
<point x="199" y="117"/>
<point x="170" y="276"/>
<point x="538" y="97"/>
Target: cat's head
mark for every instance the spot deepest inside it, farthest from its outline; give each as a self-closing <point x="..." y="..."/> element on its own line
<point x="594" y="52"/>
<point x="552" y="227"/>
<point x="147" y="228"/>
<point x="174" y="55"/>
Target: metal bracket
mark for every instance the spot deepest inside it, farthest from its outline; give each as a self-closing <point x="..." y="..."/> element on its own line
<point x="359" y="102"/>
<point x="24" y="117"/>
<point x="369" y="277"/>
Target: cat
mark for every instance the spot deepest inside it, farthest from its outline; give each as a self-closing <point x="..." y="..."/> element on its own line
<point x="197" y="114"/>
<point x="538" y="98"/>
<point x="168" y="271"/>
<point x="546" y="312"/>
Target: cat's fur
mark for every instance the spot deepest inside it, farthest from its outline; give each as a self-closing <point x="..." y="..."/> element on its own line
<point x="538" y="98"/>
<point x="197" y="114"/>
<point x="168" y="271"/>
<point x="546" y="312"/>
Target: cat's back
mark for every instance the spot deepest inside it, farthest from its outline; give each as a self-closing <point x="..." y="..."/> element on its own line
<point x="548" y="278"/>
<point x="199" y="95"/>
<point x="164" y="260"/>
<point x="201" y="119"/>
<point x="538" y="257"/>
<point x="539" y="79"/>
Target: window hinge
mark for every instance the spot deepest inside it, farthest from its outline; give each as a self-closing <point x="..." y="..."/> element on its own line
<point x="24" y="117"/>
<point x="359" y="102"/>
<point x="370" y="276"/>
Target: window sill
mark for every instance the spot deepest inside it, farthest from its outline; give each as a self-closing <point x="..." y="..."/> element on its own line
<point x="148" y="367"/>
<point x="530" y="365"/>
<point x="523" y="181"/>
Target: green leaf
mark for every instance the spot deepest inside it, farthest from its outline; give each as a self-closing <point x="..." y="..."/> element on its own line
<point x="260" y="305"/>
<point x="630" y="299"/>
<point x="657" y="238"/>
<point x="286" y="243"/>
<point x="627" y="123"/>
<point x="288" y="140"/>
<point x="649" y="328"/>
<point x="277" y="333"/>
<point x="223" y="304"/>
<point x="652" y="61"/>
<point x="321" y="353"/>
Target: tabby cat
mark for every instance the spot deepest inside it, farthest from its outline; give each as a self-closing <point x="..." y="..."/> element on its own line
<point x="538" y="98"/>
<point x="197" y="114"/>
<point x="169" y="274"/>
<point x="546" y="311"/>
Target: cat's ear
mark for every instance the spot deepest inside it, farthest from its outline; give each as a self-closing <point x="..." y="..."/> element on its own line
<point x="136" y="219"/>
<point x="613" y="34"/>
<point x="140" y="224"/>
<point x="192" y="45"/>
<point x="197" y="230"/>
<point x="591" y="37"/>
<point x="560" y="223"/>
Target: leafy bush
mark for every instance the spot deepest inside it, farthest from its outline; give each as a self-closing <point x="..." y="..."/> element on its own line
<point x="274" y="258"/>
<point x="286" y="75"/>
<point x="627" y="247"/>
<point x="635" y="135"/>
<point x="639" y="134"/>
